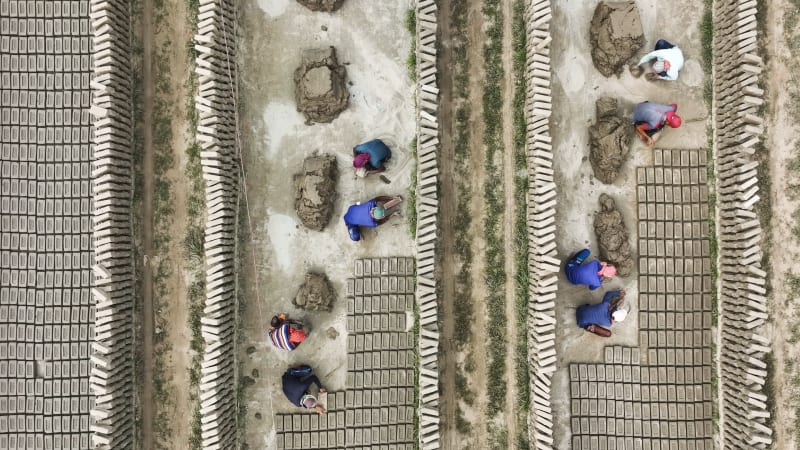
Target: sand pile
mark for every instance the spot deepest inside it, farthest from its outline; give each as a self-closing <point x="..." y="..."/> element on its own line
<point x="316" y="191"/>
<point x="615" y="35"/>
<point x="316" y="294"/>
<point x="609" y="140"/>
<point x="320" y="86"/>
<point x="612" y="236"/>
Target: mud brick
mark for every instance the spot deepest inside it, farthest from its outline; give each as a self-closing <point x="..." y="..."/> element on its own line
<point x="379" y="286"/>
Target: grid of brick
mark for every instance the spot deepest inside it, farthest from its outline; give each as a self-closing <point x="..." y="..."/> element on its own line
<point x="659" y="394"/>
<point x="377" y="411"/>
<point x="46" y="312"/>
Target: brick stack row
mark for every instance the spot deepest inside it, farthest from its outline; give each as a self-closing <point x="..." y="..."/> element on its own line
<point x="543" y="263"/>
<point x="427" y="215"/>
<point x="216" y="133"/>
<point x="112" y="372"/>
<point x="742" y="301"/>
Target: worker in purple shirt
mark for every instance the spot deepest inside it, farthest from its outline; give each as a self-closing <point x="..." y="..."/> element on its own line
<point x="649" y="118"/>
<point x="598" y="318"/>
<point x="591" y="274"/>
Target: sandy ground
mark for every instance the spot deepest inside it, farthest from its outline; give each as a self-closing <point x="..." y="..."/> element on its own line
<point x="781" y="142"/>
<point x="576" y="86"/>
<point x="371" y="40"/>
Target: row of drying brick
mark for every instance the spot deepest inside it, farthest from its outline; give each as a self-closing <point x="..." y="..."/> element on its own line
<point x="427" y="191"/>
<point x="112" y="377"/>
<point x="739" y="127"/>
<point x="543" y="262"/>
<point x="50" y="8"/>
<point x="215" y="43"/>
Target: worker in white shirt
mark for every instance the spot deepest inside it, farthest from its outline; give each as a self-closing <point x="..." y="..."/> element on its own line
<point x="667" y="61"/>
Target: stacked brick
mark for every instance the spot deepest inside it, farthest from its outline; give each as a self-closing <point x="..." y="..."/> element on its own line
<point x="543" y="262"/>
<point x="621" y="404"/>
<point x="112" y="371"/>
<point x="742" y="301"/>
<point x="427" y="214"/>
<point x="216" y="133"/>
<point x="47" y="311"/>
<point x="377" y="410"/>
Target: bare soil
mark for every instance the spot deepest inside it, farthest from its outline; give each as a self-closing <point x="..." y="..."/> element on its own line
<point x="147" y="398"/>
<point x="165" y="423"/>
<point x="509" y="175"/>
<point x="782" y="142"/>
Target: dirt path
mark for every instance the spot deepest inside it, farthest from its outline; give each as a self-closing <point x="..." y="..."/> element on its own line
<point x="173" y="307"/>
<point x="508" y="223"/>
<point x="469" y="362"/>
<point x="448" y="352"/>
<point x="781" y="142"/>
<point x="147" y="405"/>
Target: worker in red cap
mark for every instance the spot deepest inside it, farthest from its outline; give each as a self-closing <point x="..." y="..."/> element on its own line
<point x="649" y="118"/>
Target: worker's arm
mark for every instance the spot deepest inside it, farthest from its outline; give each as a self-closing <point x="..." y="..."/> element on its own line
<point x="640" y="131"/>
<point x="383" y="198"/>
<point x="312" y="380"/>
<point x="379" y="170"/>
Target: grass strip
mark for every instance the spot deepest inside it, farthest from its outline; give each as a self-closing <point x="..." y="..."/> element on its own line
<point x="522" y="275"/>
<point x="495" y="275"/>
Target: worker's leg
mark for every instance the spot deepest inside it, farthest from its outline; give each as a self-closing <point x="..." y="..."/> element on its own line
<point x="581" y="256"/>
<point x="663" y="44"/>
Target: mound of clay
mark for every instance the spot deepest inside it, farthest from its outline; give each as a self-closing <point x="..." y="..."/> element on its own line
<point x="615" y="35"/>
<point x="613" y="237"/>
<point x="322" y="5"/>
<point x="316" y="189"/>
<point x="609" y="140"/>
<point x="316" y="294"/>
<point x="320" y="86"/>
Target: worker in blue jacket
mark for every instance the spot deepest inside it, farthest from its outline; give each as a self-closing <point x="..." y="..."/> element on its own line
<point x="598" y="318"/>
<point x="591" y="274"/>
<point x="370" y="214"/>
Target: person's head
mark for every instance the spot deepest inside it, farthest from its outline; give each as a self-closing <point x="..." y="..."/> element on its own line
<point x="673" y="120"/>
<point x="619" y="315"/>
<point x="275" y="322"/>
<point x="309" y="401"/>
<point x="607" y="270"/>
<point x="360" y="160"/>
<point x="661" y="65"/>
<point x="378" y="212"/>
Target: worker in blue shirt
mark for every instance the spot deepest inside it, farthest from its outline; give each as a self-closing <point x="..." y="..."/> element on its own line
<point x="590" y="274"/>
<point x="370" y="214"/>
<point x="598" y="318"/>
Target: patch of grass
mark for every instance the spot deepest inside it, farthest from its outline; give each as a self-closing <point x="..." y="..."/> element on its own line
<point x="522" y="275"/>
<point x="495" y="276"/>
<point x="412" y="193"/>
<point x="707" y="50"/>
<point x="411" y="60"/>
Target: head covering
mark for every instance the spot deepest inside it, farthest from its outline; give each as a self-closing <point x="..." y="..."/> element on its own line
<point x="674" y="120"/>
<point x="309" y="401"/>
<point x="361" y="172"/>
<point x="608" y="271"/>
<point x="619" y="315"/>
<point x="361" y="160"/>
<point x="378" y="212"/>
<point x="661" y="65"/>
